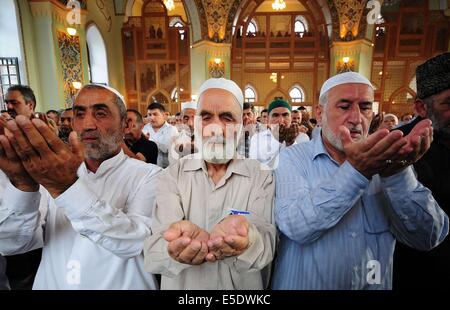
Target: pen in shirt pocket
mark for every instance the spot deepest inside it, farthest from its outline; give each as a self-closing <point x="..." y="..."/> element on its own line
<point x="238" y="212"/>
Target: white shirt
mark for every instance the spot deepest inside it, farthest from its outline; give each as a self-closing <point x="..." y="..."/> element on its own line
<point x="162" y="138"/>
<point x="265" y="148"/>
<point x="4" y="285"/>
<point x="92" y="234"/>
<point x="3" y="182"/>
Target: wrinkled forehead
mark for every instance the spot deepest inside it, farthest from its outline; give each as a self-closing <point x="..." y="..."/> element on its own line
<point x="188" y="112"/>
<point x="14" y="94"/>
<point x="390" y="117"/>
<point x="66" y="114"/>
<point x="218" y="101"/>
<point x="351" y="92"/>
<point x="89" y="97"/>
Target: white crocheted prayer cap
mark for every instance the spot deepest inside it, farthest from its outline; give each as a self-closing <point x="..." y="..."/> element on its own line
<point x="344" y="78"/>
<point x="114" y="91"/>
<point x="188" y="105"/>
<point x="224" y="84"/>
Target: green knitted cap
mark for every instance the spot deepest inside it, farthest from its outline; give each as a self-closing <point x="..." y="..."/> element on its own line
<point x="279" y="103"/>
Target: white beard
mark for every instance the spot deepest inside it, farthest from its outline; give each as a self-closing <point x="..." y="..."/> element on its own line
<point x="328" y="133"/>
<point x="217" y="150"/>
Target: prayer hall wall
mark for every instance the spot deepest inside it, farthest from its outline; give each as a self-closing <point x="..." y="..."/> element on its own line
<point x="288" y="53"/>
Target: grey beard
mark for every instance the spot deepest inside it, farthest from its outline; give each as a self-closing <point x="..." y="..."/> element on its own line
<point x="106" y="147"/>
<point x="438" y="127"/>
<point x="331" y="137"/>
<point x="217" y="150"/>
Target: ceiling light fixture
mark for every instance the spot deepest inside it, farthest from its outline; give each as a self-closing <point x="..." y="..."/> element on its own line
<point x="278" y="5"/>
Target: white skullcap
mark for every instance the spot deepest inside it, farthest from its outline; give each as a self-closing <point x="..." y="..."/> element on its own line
<point x="344" y="78"/>
<point x="224" y="84"/>
<point x="114" y="91"/>
<point x="188" y="105"/>
<point x="391" y="115"/>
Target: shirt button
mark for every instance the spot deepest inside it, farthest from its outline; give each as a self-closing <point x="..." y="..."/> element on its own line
<point x="353" y="234"/>
<point x="405" y="217"/>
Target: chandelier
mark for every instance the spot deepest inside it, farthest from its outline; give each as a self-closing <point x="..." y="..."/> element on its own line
<point x="170" y="5"/>
<point x="278" y="5"/>
<point x="274" y="77"/>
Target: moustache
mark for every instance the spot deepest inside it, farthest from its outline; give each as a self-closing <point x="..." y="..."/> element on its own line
<point x="355" y="129"/>
<point x="90" y="134"/>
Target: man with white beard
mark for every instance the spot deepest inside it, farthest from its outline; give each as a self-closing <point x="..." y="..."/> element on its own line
<point x="212" y="223"/>
<point x="344" y="198"/>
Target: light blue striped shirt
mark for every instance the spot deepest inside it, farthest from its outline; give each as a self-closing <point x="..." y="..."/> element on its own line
<point x="338" y="230"/>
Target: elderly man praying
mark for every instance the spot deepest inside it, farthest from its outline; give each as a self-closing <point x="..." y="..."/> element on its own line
<point x="212" y="223"/>
<point x="344" y="198"/>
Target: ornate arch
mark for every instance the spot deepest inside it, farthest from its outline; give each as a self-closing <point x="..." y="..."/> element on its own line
<point x="158" y="91"/>
<point x="231" y="17"/>
<point x="203" y="19"/>
<point x="194" y="11"/>
<point x="319" y="10"/>
<point x="253" y="88"/>
<point x="347" y="18"/>
<point x="274" y="91"/>
<point x="400" y="90"/>
<point x="302" y="89"/>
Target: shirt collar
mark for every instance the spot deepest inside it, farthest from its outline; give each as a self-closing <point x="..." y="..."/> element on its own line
<point x="161" y="129"/>
<point x="105" y="167"/>
<point x="166" y="125"/>
<point x="319" y="148"/>
<point x="236" y="166"/>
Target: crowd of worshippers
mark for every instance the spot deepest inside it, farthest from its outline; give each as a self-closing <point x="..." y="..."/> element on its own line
<point x="101" y="197"/>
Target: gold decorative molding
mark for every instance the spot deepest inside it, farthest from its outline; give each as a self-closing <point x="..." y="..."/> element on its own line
<point x="55" y="11"/>
<point x="342" y="49"/>
<point x="214" y="50"/>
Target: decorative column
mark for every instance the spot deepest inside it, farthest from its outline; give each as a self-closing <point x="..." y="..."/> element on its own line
<point x="60" y="58"/>
<point x="209" y="60"/>
<point x="351" y="50"/>
<point x="351" y="56"/>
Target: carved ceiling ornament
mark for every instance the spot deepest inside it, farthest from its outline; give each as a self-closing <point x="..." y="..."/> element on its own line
<point x="216" y="15"/>
<point x="347" y="13"/>
<point x="202" y="17"/>
<point x="219" y="15"/>
<point x="231" y="16"/>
